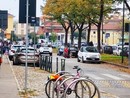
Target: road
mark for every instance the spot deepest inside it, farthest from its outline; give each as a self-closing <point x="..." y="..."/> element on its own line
<point x="108" y="78"/>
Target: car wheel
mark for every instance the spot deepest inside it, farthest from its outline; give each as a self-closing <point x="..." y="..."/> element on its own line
<point x="78" y="59"/>
<point x="83" y="60"/>
<point x="10" y="58"/>
<point x="15" y="62"/>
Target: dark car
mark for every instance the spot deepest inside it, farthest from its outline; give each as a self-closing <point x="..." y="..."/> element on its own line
<point x="72" y="51"/>
<point x="125" y="52"/>
<point x="108" y="49"/>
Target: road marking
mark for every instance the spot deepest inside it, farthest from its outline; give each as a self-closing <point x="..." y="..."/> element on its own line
<point x="95" y="77"/>
<point x="125" y="75"/>
<point x="112" y="76"/>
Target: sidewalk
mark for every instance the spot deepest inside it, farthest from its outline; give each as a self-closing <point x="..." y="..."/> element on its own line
<point x="8" y="86"/>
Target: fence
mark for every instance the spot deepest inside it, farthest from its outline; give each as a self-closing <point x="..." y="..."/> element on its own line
<point x="45" y="63"/>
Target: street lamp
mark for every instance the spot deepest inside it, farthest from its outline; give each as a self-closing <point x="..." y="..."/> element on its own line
<point x="123" y="30"/>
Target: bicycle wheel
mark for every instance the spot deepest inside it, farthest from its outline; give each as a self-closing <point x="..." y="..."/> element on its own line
<point x="49" y="88"/>
<point x="84" y="88"/>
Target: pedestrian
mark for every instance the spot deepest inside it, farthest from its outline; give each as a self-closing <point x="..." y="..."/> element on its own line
<point x="66" y="52"/>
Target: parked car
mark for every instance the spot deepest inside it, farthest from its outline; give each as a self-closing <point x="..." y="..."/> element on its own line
<point x="60" y="50"/>
<point x="13" y="49"/>
<point x="108" y="49"/>
<point x="46" y="49"/>
<point x="117" y="50"/>
<point x="20" y="56"/>
<point x="73" y="51"/>
<point x="125" y="52"/>
<point x="88" y="53"/>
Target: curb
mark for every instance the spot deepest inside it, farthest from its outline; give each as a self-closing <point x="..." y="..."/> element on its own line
<point x="119" y="65"/>
<point x="13" y="73"/>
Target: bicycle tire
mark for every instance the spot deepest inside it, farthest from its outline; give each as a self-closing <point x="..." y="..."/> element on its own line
<point x="48" y="89"/>
<point x="82" y="86"/>
<point x="87" y="80"/>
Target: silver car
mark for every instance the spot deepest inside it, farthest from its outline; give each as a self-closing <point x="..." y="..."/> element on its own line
<point x="32" y="56"/>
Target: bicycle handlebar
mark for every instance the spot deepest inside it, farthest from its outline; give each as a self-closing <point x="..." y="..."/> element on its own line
<point x="76" y="67"/>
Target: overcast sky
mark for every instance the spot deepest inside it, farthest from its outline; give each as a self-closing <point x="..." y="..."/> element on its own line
<point x="13" y="7"/>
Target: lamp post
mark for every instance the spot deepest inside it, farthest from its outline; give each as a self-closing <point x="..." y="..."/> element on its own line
<point x="123" y="31"/>
<point x="102" y="31"/>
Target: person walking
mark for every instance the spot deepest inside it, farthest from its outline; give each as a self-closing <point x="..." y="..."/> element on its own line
<point x="66" y="52"/>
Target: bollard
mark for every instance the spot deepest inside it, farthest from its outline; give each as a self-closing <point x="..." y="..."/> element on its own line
<point x="40" y="61"/>
<point x="57" y="64"/>
<point x="0" y="57"/>
<point x="62" y="64"/>
<point x="50" y="64"/>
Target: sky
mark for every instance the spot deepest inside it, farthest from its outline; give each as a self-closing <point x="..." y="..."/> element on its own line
<point x="12" y="6"/>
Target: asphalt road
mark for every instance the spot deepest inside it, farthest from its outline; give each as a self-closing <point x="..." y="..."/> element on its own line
<point x="107" y="77"/>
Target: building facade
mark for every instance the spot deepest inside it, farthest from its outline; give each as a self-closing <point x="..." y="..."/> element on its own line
<point x="10" y="28"/>
<point x="111" y="31"/>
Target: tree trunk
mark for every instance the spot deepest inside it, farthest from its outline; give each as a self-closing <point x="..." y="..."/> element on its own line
<point x="66" y="36"/>
<point x="127" y="5"/>
<point x="79" y="39"/>
<point x="99" y="25"/>
<point x="72" y="33"/>
<point x="88" y="36"/>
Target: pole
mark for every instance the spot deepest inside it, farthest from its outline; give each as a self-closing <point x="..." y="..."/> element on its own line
<point x="34" y="43"/>
<point x="26" y="65"/>
<point x="129" y="48"/>
<point x="102" y="30"/>
<point x="123" y="31"/>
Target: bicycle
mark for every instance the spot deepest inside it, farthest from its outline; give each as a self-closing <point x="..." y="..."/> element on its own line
<point x="60" y="85"/>
<point x="51" y="80"/>
<point x="86" y="86"/>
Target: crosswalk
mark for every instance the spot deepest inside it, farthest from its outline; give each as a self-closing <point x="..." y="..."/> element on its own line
<point x="108" y="76"/>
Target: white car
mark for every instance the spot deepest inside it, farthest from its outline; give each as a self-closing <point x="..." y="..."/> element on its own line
<point x="117" y="50"/>
<point x="13" y="49"/>
<point x="89" y="53"/>
<point x="47" y="50"/>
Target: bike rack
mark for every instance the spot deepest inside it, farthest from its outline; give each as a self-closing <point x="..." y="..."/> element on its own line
<point x="67" y="77"/>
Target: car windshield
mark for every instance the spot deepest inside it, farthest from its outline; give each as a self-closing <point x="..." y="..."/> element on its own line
<point x="90" y="49"/>
<point x="126" y="48"/>
<point x="62" y="47"/>
<point x="114" y="47"/>
<point x="16" y="47"/>
<point x="29" y="50"/>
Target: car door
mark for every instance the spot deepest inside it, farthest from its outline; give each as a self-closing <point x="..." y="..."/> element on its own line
<point x="80" y="53"/>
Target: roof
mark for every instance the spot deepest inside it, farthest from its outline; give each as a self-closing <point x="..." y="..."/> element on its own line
<point x="111" y="24"/>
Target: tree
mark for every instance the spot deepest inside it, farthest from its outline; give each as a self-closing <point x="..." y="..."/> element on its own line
<point x="42" y="36"/>
<point x="33" y="37"/>
<point x="53" y="37"/>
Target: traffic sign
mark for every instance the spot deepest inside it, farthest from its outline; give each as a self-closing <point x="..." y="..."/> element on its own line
<point x="107" y="35"/>
<point x="3" y="19"/>
<point x="31" y="10"/>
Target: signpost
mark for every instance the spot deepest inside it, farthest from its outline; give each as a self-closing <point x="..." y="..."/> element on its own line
<point x="107" y="35"/>
<point x="27" y="10"/>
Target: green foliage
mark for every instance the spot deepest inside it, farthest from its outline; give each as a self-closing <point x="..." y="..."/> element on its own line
<point x="53" y="37"/>
<point x="33" y="37"/>
<point x="13" y="37"/>
<point x="42" y="36"/>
